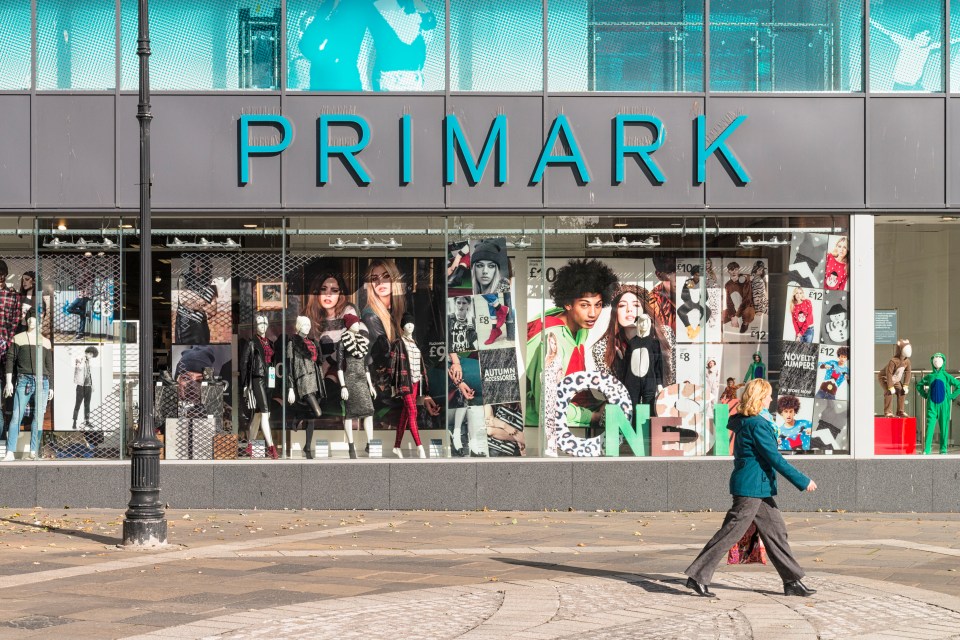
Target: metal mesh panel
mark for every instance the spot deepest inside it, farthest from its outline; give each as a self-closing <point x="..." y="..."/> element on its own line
<point x="95" y="362"/>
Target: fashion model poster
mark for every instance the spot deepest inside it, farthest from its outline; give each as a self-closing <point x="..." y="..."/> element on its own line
<point x="201" y="299"/>
<point x="87" y="397"/>
<point x="746" y="300"/>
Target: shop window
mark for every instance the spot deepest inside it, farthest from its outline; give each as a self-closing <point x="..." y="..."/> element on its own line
<point x="764" y="45"/>
<point x="15" y="36"/>
<point x="913" y="308"/>
<point x="906" y="44"/>
<point x="639" y="45"/>
<point x="387" y="45"/>
<point x="219" y="45"/>
<point x="76" y="44"/>
<point x="496" y="46"/>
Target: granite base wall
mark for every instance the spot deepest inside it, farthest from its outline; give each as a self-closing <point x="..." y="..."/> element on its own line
<point x="888" y="485"/>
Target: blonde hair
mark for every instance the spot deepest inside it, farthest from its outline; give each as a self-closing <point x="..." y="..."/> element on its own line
<point x="751" y="402"/>
<point x="836" y="248"/>
<point x="793" y="297"/>
<point x="389" y="318"/>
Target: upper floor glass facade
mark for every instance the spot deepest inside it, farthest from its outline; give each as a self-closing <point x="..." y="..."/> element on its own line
<point x="559" y="46"/>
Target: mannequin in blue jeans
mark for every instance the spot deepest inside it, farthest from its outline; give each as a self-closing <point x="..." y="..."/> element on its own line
<point x="22" y="357"/>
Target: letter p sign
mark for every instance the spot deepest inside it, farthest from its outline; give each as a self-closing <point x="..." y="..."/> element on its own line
<point x="247" y="150"/>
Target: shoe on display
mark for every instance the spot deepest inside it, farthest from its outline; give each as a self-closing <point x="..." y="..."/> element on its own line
<point x="9" y="457"/>
<point x="366" y="448"/>
<point x="888" y="415"/>
<point x="421" y="452"/>
<point x="397" y="452"/>
<point x="797" y="588"/>
<point x="271" y="451"/>
<point x="308" y="453"/>
<point x="353" y="451"/>
<point x="250" y="449"/>
<point x="502" y="312"/>
<point x="32" y="456"/>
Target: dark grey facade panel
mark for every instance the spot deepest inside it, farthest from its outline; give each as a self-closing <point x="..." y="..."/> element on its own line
<point x="74" y="142"/>
<point x="14" y="151"/>
<point x="194" y="153"/>
<point x="592" y="119"/>
<point x="381" y="158"/>
<point x="953" y="142"/>
<point x="907" y="152"/>
<point x="799" y="153"/>
<point x="525" y="136"/>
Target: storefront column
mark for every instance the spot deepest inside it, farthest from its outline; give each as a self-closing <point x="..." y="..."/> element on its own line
<point x="862" y="306"/>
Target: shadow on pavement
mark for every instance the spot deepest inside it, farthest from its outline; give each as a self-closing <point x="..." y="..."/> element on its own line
<point x="86" y="535"/>
<point x="650" y="582"/>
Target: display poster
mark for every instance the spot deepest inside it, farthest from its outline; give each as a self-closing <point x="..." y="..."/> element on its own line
<point x="746" y="300"/>
<point x="483" y="367"/>
<point x="87" y="397"/>
<point x="885" y="326"/>
<point x="201" y="299"/>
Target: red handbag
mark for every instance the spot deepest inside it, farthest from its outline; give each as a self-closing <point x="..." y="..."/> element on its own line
<point x="749" y="549"/>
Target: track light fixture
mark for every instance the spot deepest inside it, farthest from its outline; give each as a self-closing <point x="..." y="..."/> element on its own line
<point x="364" y="244"/>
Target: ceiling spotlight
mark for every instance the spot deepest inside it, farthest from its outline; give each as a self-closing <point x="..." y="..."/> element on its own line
<point x="87" y="254"/>
<point x="204" y="242"/>
<point x="230" y="243"/>
<point x="521" y="243"/>
<point x="249" y="226"/>
<point x="392" y="243"/>
<point x="365" y="243"/>
<point x="157" y="278"/>
<point x="177" y="242"/>
<point x="61" y="227"/>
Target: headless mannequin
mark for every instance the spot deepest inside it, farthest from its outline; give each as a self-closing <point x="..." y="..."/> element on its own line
<point x="261" y="418"/>
<point x="303" y="326"/>
<point x="348" y="423"/>
<point x="26" y="339"/>
<point x="408" y="418"/>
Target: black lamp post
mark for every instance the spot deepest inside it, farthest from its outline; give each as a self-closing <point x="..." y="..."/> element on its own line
<point x="145" y="522"/>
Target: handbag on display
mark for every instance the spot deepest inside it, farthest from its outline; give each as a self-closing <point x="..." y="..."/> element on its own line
<point x="749" y="549"/>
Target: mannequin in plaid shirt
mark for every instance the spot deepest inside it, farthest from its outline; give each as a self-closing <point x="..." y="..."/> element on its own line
<point x="10" y="310"/>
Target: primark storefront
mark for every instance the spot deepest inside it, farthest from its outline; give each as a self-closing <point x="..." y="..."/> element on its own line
<point x="456" y="253"/>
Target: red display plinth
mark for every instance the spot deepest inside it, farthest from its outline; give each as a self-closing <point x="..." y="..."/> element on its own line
<point x="894" y="436"/>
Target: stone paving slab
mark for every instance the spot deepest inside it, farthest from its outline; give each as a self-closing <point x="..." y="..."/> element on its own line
<point x="583" y="575"/>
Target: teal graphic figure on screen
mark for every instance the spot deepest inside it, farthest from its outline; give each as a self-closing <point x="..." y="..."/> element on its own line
<point x="939" y="388"/>
<point x="913" y="52"/>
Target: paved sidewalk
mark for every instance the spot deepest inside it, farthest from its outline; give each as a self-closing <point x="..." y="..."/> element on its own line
<point x="319" y="574"/>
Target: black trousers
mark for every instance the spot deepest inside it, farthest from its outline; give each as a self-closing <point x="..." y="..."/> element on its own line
<point x="773" y="532"/>
<point x="83" y="397"/>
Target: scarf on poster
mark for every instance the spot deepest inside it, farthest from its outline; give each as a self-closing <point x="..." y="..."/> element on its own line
<point x="578" y="358"/>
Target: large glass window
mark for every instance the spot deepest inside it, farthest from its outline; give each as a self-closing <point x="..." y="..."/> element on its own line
<point x="906" y="40"/>
<point x="496" y="46"/>
<point x="633" y="45"/>
<point x="387" y="45"/>
<point x="914" y="322"/>
<point x="202" y="46"/>
<point x="15" y="36"/>
<point x="76" y="44"/>
<point x="765" y="45"/>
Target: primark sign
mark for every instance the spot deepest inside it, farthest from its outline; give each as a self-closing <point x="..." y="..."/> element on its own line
<point x="561" y="148"/>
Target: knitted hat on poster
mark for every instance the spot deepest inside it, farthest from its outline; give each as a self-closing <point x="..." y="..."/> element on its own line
<point x="349" y="320"/>
<point x="407" y="319"/>
<point x="495" y="251"/>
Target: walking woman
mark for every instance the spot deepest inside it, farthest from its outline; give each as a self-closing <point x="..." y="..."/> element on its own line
<point x="753" y="484"/>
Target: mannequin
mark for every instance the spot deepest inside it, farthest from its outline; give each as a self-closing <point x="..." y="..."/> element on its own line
<point x="895" y="378"/>
<point x="303" y="378"/>
<point x="22" y="356"/>
<point x="356" y="386"/>
<point x="643" y="375"/>
<point x="712" y="380"/>
<point x="939" y="388"/>
<point x="409" y="383"/>
<point x="254" y="364"/>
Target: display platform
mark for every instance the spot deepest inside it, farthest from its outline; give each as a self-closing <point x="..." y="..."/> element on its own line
<point x="892" y="436"/>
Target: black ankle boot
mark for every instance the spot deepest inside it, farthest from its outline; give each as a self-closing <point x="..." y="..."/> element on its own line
<point x="353" y="451"/>
<point x="797" y="588"/>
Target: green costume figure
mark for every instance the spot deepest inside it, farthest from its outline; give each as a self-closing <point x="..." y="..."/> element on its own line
<point x="939" y="388"/>
<point x="757" y="368"/>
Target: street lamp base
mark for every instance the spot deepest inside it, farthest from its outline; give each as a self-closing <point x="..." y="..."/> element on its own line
<point x="145" y="533"/>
